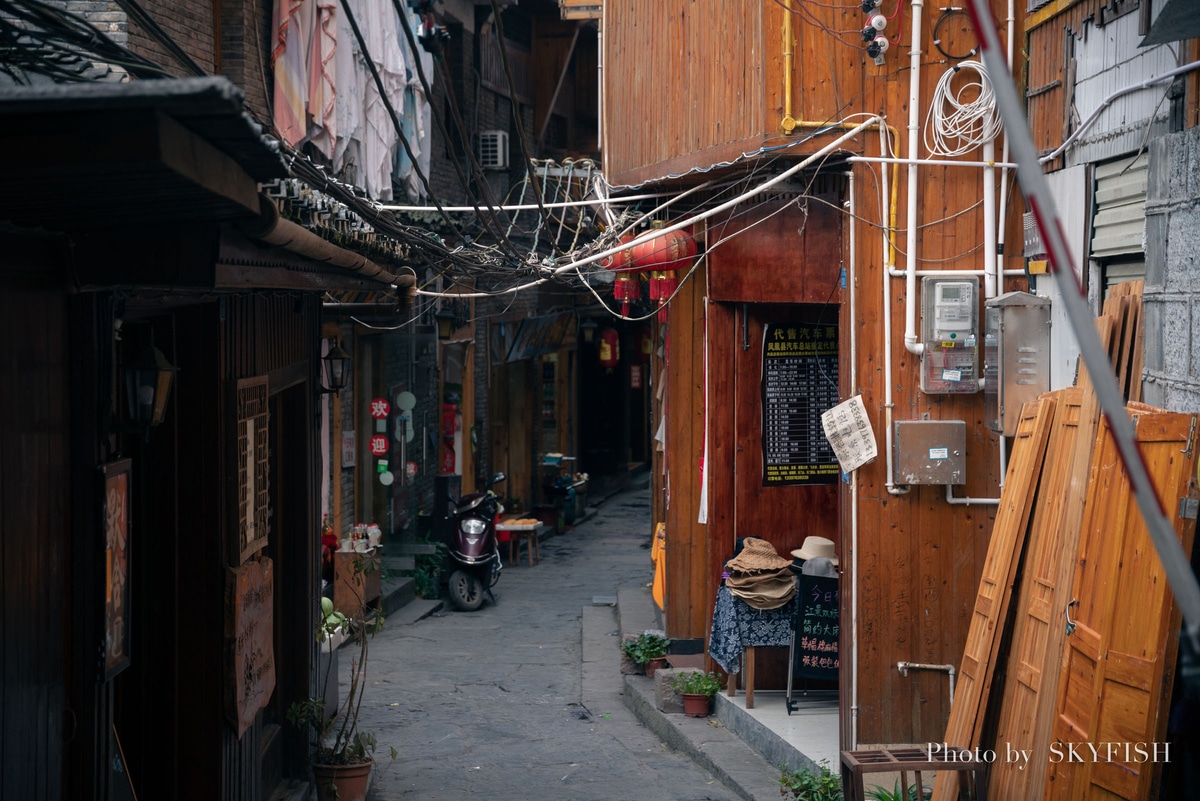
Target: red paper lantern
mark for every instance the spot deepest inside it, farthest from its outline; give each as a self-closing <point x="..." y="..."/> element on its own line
<point x="626" y="284"/>
<point x="660" y="256"/>
<point x="610" y="347"/>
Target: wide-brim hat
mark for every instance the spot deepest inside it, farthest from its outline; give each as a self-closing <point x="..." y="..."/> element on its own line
<point x="817" y="547"/>
<point x="757" y="555"/>
<point x="766" y="591"/>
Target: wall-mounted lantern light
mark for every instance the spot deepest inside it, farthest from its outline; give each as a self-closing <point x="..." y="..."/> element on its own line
<point x="148" y="381"/>
<point x="445" y="323"/>
<point x="588" y="329"/>
<point x="335" y="369"/>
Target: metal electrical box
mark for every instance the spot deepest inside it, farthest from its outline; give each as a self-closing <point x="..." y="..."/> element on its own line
<point x="1016" y="356"/>
<point x="950" y="335"/>
<point x="930" y="452"/>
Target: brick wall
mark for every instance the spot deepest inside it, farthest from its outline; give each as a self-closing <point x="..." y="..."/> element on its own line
<point x="189" y="22"/>
<point x="1172" y="294"/>
<point x="245" y="54"/>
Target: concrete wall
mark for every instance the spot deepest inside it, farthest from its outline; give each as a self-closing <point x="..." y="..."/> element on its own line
<point x="1171" y="378"/>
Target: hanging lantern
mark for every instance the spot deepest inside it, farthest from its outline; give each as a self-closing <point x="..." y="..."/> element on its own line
<point x="626" y="284"/>
<point x="610" y="347"/>
<point x="661" y="256"/>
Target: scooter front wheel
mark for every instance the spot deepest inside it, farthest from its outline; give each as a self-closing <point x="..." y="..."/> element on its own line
<point x="466" y="591"/>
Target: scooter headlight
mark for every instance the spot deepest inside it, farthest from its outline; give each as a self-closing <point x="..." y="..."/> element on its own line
<point x="473" y="525"/>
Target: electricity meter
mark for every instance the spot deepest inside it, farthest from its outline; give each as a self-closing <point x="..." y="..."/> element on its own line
<point x="950" y="333"/>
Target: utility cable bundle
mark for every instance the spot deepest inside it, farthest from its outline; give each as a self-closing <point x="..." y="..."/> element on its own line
<point x="963" y="117"/>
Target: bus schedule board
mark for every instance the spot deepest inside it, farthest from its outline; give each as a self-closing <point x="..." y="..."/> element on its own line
<point x="799" y="382"/>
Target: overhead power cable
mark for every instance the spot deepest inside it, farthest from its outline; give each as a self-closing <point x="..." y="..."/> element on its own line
<point x="491" y="216"/>
<point x="516" y="106"/>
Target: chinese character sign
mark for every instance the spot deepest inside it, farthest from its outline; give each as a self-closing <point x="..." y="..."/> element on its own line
<point x="815" y="655"/>
<point x="380" y="408"/>
<point x="799" y="382"/>
<point x="849" y="432"/>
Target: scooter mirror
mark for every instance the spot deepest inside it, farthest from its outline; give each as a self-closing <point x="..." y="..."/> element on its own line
<point x="496" y="479"/>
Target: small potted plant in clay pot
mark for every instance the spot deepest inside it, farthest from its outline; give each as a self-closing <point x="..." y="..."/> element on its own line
<point x="648" y="650"/>
<point x="697" y="690"/>
<point x="342" y="755"/>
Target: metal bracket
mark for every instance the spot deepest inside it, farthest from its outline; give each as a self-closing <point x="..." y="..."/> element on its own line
<point x="1191" y="437"/>
<point x="1188" y="507"/>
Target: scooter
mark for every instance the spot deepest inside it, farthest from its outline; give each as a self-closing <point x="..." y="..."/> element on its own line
<point x="473" y="547"/>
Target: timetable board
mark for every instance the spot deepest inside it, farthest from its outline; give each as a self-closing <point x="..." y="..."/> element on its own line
<point x="799" y="382"/>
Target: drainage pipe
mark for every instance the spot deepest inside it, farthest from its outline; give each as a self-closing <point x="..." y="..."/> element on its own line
<point x="904" y="667"/>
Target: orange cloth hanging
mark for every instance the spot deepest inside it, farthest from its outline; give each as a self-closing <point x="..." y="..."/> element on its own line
<point x="658" y="556"/>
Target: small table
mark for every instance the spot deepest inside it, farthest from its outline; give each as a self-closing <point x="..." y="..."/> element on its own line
<point x="738" y="628"/>
<point x="522" y="531"/>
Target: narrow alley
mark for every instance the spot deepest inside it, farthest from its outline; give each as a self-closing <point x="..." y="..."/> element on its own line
<point x="493" y="703"/>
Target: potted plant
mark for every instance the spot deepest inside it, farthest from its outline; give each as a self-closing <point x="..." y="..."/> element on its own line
<point x="696" y="688"/>
<point x="648" y="650"/>
<point x="342" y="755"/>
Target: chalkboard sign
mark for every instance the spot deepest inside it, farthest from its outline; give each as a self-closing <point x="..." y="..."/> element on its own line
<point x="816" y="646"/>
<point x="799" y="382"/>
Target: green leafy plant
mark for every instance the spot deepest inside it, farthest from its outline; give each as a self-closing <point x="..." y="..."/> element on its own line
<point x="877" y="793"/>
<point x="809" y="784"/>
<point x="696" y="683"/>
<point x="427" y="570"/>
<point x="646" y="646"/>
<point x="334" y="736"/>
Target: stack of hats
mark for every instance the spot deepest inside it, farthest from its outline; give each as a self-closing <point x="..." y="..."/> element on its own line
<point x="760" y="576"/>
<point x="816" y="557"/>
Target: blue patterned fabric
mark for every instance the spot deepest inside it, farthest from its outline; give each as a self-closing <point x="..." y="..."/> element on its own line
<point x="737" y="625"/>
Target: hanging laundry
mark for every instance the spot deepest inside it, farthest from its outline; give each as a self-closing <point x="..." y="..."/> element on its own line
<point x="292" y="22"/>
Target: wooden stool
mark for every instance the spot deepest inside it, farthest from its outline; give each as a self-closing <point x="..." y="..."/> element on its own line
<point x="910" y="760"/>
<point x="530" y="536"/>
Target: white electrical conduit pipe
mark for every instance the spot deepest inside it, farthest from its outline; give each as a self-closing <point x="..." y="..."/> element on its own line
<point x="914" y="142"/>
<point x="851" y="283"/>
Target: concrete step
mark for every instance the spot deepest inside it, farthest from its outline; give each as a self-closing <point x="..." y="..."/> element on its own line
<point x="413" y="548"/>
<point x="396" y="563"/>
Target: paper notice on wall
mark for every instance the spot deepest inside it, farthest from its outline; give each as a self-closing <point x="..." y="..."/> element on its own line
<point x="849" y="432"/>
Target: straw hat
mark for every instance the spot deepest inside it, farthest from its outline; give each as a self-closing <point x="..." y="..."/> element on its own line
<point x="757" y="555"/>
<point x="769" y="590"/>
<point x="816" y="547"/>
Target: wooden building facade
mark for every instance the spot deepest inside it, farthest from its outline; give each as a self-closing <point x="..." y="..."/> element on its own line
<point x="162" y="581"/>
<point x="759" y="90"/>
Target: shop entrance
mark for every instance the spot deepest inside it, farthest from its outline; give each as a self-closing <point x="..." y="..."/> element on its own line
<point x="785" y="477"/>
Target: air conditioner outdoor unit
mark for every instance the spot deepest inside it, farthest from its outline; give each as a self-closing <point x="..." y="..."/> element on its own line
<point x="493" y="150"/>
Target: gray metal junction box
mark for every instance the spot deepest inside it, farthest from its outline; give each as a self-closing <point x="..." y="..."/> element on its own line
<point x="930" y="452"/>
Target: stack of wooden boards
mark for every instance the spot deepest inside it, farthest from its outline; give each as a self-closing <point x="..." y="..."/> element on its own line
<point x="1074" y="632"/>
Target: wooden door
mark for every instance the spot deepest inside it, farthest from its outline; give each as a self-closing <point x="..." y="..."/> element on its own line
<point x="783" y="515"/>
<point x="1117" y="662"/>
<point x="1038" y="630"/>
<point x="999" y="570"/>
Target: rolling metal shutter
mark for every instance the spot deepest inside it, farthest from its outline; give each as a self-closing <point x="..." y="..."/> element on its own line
<point x="1120" y="221"/>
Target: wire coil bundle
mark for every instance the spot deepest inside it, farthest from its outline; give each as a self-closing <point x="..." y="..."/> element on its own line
<point x="962" y="114"/>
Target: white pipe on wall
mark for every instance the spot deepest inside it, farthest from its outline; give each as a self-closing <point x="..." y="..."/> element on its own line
<point x="904" y="667"/>
<point x="989" y="221"/>
<point x="888" y="266"/>
<point x="914" y="95"/>
<point x="851" y="283"/>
